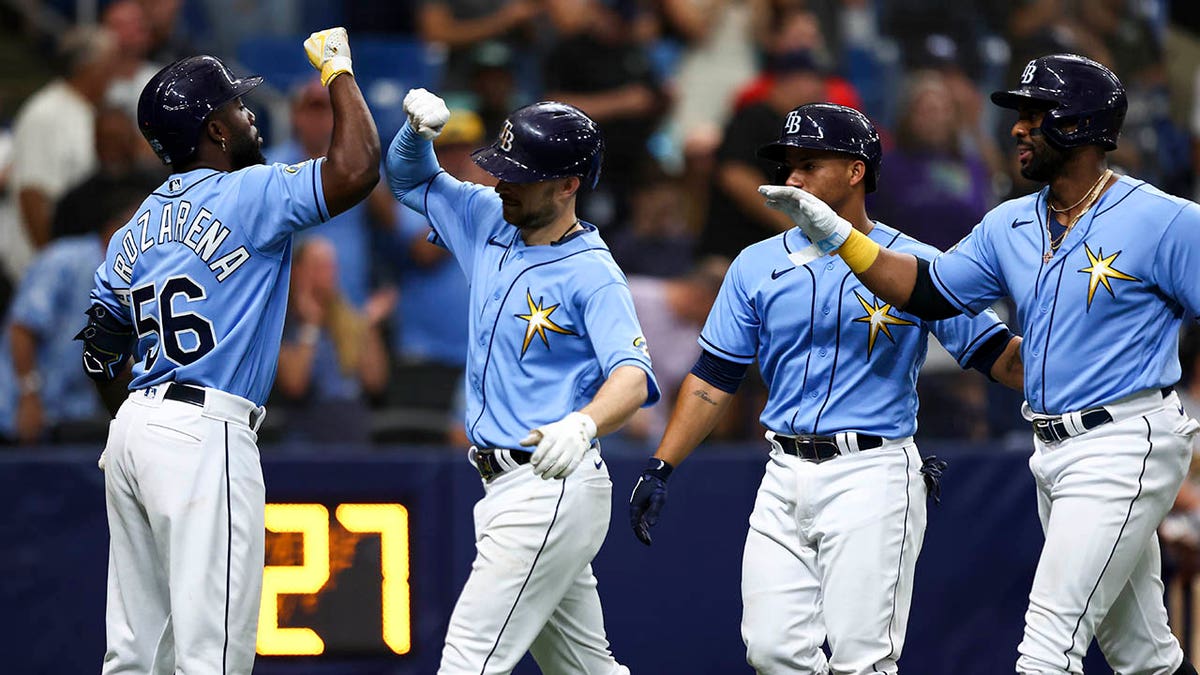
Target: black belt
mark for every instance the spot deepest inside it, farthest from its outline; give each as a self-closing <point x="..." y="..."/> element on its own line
<point x="186" y="393"/>
<point x="1053" y="430"/>
<point x="818" y="449"/>
<point x="489" y="466"/>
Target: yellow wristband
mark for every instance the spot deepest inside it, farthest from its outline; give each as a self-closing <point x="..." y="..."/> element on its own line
<point x="859" y="251"/>
<point x="334" y="67"/>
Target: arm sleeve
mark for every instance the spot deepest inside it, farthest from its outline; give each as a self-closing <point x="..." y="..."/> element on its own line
<point x="462" y="215"/>
<point x="926" y="301"/>
<point x="721" y="373"/>
<point x="616" y="336"/>
<point x="277" y="200"/>
<point x="1178" y="258"/>
<point x="731" y="330"/>
<point x="967" y="274"/>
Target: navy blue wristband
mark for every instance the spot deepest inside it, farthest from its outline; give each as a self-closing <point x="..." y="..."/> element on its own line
<point x="660" y="469"/>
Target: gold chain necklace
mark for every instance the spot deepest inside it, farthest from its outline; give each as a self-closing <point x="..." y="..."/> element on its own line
<point x="1090" y="197"/>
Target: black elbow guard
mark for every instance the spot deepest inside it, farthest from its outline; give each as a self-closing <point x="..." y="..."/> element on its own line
<point x="107" y="343"/>
<point x="926" y="301"/>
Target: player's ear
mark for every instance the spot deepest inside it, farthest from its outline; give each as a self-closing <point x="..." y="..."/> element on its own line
<point x="570" y="186"/>
<point x="217" y="131"/>
<point x="858" y="172"/>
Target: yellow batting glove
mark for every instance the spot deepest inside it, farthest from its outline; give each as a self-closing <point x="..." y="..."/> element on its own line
<point x="329" y="52"/>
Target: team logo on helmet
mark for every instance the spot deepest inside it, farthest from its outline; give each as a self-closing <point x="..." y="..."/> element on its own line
<point x="792" y="124"/>
<point x="1027" y="74"/>
<point x="506" y="137"/>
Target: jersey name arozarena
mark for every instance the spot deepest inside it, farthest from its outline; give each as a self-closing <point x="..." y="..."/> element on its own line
<point x="203" y="234"/>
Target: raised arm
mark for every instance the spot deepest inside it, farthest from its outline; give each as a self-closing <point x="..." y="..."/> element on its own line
<point x="351" y="168"/>
<point x="410" y="159"/>
<point x="901" y="279"/>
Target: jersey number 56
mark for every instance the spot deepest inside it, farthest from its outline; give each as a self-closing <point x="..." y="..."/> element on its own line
<point x="170" y="325"/>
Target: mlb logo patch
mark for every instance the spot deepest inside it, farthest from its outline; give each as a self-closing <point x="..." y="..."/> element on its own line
<point x="176" y="185"/>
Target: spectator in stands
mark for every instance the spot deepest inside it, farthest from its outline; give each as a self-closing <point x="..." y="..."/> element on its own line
<point x="1181" y="41"/>
<point x="332" y="356"/>
<point x="126" y="20"/>
<point x="459" y="25"/>
<point x="53" y="135"/>
<point x="657" y="242"/>
<point x="933" y="186"/>
<point x="672" y="312"/>
<point x="167" y="42"/>
<point x="601" y="65"/>
<point x="494" y="89"/>
<point x="44" y="393"/>
<point x="737" y="215"/>
<point x="350" y="231"/>
<point x="120" y="162"/>
<point x="718" y="58"/>
<point x="1194" y="126"/>
<point x="429" y="333"/>
<point x="797" y="37"/>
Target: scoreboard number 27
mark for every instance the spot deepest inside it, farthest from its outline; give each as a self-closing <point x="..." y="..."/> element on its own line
<point x="307" y="552"/>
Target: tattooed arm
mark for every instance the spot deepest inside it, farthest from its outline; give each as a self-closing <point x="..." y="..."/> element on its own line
<point x="697" y="409"/>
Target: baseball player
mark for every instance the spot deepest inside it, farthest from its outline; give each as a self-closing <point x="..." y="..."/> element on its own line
<point x="1102" y="269"/>
<point x="840" y="515"/>
<point x="556" y="358"/>
<point x="194" y="288"/>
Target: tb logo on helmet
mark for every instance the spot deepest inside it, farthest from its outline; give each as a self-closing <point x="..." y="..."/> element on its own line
<point x="506" y="137"/>
<point x="792" y="124"/>
<point x="1027" y="74"/>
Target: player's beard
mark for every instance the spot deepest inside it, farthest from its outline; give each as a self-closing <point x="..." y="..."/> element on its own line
<point x="532" y="218"/>
<point x="245" y="151"/>
<point x="1045" y="161"/>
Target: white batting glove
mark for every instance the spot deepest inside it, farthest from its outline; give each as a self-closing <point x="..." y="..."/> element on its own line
<point x="560" y="445"/>
<point x="103" y="459"/>
<point x="427" y="113"/>
<point x="820" y="223"/>
<point x="329" y="52"/>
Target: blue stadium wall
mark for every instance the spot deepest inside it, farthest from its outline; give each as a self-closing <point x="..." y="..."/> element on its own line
<point x="672" y="609"/>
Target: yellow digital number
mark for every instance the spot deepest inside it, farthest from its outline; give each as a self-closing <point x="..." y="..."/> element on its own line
<point x="311" y="521"/>
<point x="391" y="522"/>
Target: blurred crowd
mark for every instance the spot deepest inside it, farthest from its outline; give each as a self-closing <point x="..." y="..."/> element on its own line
<point x="685" y="90"/>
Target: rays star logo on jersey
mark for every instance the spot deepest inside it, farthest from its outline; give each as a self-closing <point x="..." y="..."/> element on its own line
<point x="1100" y="271"/>
<point x="878" y="318"/>
<point x="538" y="321"/>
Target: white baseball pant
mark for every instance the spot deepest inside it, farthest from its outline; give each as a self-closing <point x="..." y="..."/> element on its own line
<point x="531" y="586"/>
<point x="185" y="497"/>
<point x="830" y="554"/>
<point x="1101" y="496"/>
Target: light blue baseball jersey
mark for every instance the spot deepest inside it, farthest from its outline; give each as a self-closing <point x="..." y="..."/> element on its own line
<point x="202" y="270"/>
<point x="834" y="357"/>
<point x="1101" y="318"/>
<point x="51" y="298"/>
<point x="548" y="324"/>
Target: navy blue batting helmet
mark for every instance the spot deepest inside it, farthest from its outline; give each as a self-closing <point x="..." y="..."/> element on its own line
<point x="1077" y="92"/>
<point x="179" y="98"/>
<point x="832" y="127"/>
<point x="543" y="141"/>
